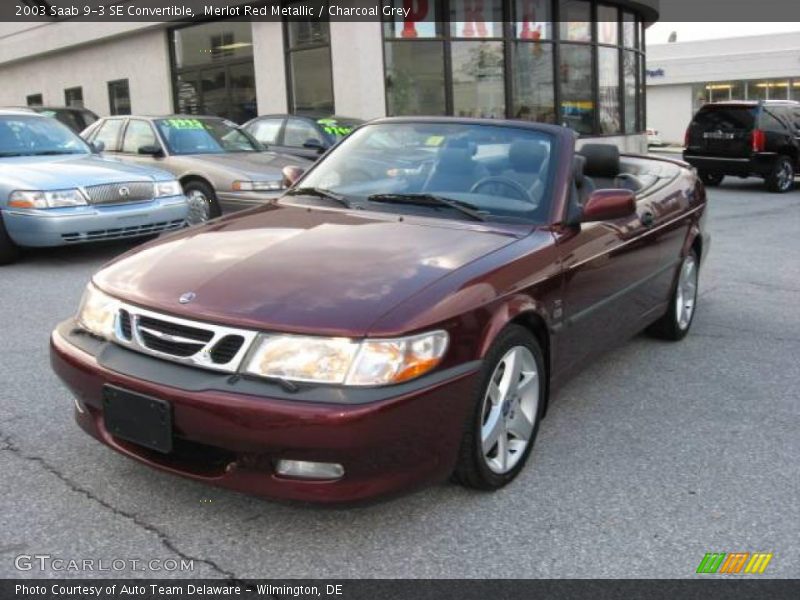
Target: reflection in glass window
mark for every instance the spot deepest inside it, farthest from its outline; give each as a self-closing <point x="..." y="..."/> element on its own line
<point x="108" y="134"/>
<point x="211" y="42"/>
<point x="607" y="25"/>
<point x="119" y="97"/>
<point x="138" y="134"/>
<point x="312" y="83"/>
<point x="266" y="130"/>
<point x="628" y="30"/>
<point x="415" y="78"/>
<point x="608" y="81"/>
<point x="304" y="33"/>
<point x="533" y="20"/>
<point x="478" y="82"/>
<point x="576" y="21"/>
<point x="478" y="19"/>
<point x="74" y="97"/>
<point x="534" y="88"/>
<point x="34" y="100"/>
<point x="629" y="74"/>
<point x="421" y="22"/>
<point x="298" y="132"/>
<point x="575" y="75"/>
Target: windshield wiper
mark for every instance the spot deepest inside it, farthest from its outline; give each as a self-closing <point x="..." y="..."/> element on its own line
<point x="53" y="153"/>
<point x="320" y="193"/>
<point x="465" y="208"/>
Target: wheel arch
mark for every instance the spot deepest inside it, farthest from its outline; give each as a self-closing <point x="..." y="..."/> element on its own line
<point x="189" y="177"/>
<point x="528" y="313"/>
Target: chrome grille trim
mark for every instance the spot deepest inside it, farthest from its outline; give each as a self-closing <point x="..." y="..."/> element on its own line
<point x="120" y="193"/>
<point x="201" y="358"/>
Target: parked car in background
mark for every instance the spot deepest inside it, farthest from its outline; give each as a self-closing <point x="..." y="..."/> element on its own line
<point x="360" y="336"/>
<point x="745" y="139"/>
<point x="653" y="137"/>
<point x="307" y="137"/>
<point x="55" y="191"/>
<point x="73" y="117"/>
<point x="221" y="167"/>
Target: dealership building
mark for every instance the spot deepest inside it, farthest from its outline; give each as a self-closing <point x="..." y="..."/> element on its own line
<point x="682" y="76"/>
<point x="576" y="62"/>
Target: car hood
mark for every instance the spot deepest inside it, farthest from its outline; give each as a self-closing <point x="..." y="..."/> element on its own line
<point x="69" y="171"/>
<point x="293" y="269"/>
<point x="253" y="164"/>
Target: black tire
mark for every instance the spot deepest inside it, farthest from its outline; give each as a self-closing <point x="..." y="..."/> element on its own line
<point x="781" y="179"/>
<point x="711" y="179"/>
<point x="9" y="251"/>
<point x="672" y="326"/>
<point x="200" y="192"/>
<point x="472" y="469"/>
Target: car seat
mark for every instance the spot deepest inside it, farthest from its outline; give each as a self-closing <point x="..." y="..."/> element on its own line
<point x="526" y="159"/>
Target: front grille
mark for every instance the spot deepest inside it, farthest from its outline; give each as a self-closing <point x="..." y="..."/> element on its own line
<point x="193" y="343"/>
<point x="120" y="193"/>
<point x="122" y="232"/>
<point x="225" y="349"/>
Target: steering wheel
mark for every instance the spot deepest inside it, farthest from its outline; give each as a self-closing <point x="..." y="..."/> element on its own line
<point x="520" y="192"/>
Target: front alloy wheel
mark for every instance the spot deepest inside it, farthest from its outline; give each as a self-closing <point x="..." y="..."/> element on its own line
<point x="501" y="431"/>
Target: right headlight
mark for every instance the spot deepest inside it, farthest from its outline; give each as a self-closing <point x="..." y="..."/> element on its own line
<point x="46" y="199"/>
<point x="97" y="312"/>
<point x="370" y="362"/>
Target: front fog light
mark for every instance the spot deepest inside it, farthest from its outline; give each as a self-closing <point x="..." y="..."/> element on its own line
<point x="303" y="469"/>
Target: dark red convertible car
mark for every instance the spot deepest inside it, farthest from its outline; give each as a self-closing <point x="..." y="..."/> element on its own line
<point x="402" y="314"/>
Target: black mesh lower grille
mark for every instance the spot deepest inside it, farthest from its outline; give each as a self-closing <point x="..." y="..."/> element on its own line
<point x="226" y="349"/>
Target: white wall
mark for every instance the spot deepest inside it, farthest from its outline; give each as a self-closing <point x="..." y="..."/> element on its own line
<point x="142" y="58"/>
<point x="357" y="60"/>
<point x="270" y="67"/>
<point x="669" y="110"/>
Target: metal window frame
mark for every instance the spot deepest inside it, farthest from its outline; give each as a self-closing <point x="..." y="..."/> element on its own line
<point x="289" y="51"/>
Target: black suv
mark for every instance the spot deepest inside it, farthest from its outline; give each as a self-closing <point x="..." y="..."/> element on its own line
<point x="744" y="139"/>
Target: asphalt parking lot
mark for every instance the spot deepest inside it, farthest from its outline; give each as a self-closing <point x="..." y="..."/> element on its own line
<point x="653" y="456"/>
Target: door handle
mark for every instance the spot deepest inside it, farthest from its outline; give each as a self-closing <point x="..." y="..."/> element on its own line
<point x="647" y="219"/>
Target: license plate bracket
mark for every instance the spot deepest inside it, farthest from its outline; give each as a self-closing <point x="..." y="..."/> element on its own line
<point x="137" y="418"/>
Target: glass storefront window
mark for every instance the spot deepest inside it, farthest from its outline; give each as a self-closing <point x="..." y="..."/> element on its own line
<point x="575" y="76"/>
<point x="628" y="30"/>
<point x="119" y="97"/>
<point x="608" y="25"/>
<point x="311" y="81"/>
<point x="482" y="19"/>
<point x="737" y="90"/>
<point x="757" y="90"/>
<point x="576" y="21"/>
<point x="534" y="88"/>
<point x="478" y="83"/>
<point x="533" y="20"/>
<point x="212" y="42"/>
<point x="629" y="75"/>
<point x="305" y="33"/>
<point x="608" y="82"/>
<point x="421" y="22"/>
<point x="415" y="78"/>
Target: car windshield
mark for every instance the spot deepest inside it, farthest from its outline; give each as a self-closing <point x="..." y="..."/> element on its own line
<point x="22" y="135"/>
<point x="338" y="128"/>
<point x="494" y="172"/>
<point x="204" y="136"/>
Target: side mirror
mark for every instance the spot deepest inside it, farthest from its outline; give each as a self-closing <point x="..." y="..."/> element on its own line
<point x="607" y="205"/>
<point x="314" y="144"/>
<point x="151" y="149"/>
<point x="291" y="174"/>
<point x="98" y="147"/>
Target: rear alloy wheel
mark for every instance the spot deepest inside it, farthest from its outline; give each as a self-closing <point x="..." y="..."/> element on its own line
<point x="711" y="179"/>
<point x="675" y="324"/>
<point x="203" y="204"/>
<point x="9" y="251"/>
<point x="502" y="430"/>
<point x="781" y="178"/>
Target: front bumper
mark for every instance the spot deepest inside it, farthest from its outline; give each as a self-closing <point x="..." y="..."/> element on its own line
<point x="60" y="226"/>
<point x="230" y="201"/>
<point x="229" y="433"/>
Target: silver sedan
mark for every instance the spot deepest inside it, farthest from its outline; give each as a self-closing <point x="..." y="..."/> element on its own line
<point x="221" y="167"/>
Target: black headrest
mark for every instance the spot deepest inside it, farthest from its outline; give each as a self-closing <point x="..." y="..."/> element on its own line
<point x="578" y="166"/>
<point x="526" y="156"/>
<point x="454" y="160"/>
<point x="602" y="160"/>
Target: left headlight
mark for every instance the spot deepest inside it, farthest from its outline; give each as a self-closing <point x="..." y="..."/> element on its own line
<point x="97" y="312"/>
<point x="257" y="186"/>
<point x="164" y="189"/>
<point x="46" y="199"/>
<point x="370" y="362"/>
